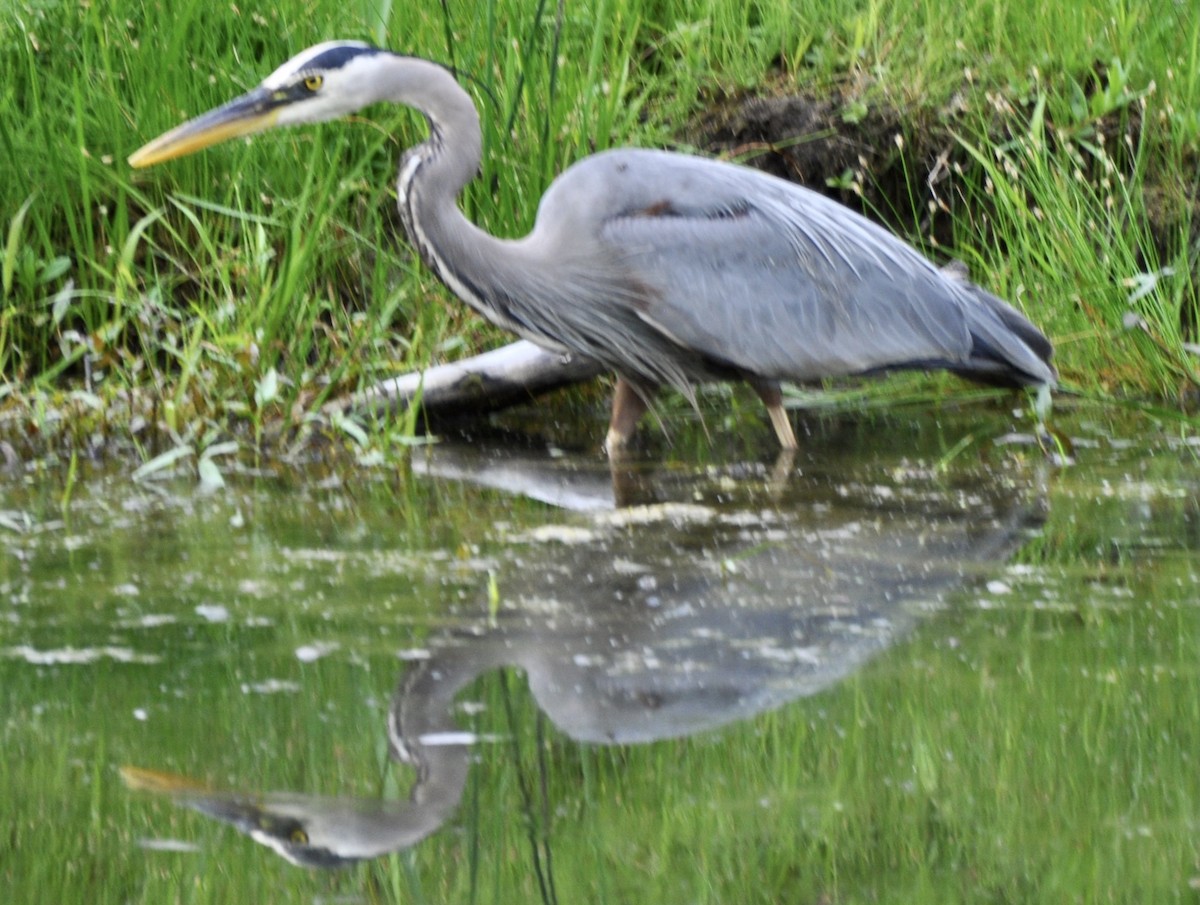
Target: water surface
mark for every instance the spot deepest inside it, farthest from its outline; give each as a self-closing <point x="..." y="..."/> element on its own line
<point x="909" y="664"/>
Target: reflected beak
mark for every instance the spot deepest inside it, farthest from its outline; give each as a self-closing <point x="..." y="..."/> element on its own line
<point x="228" y="807"/>
<point x="239" y="810"/>
<point x="161" y="783"/>
<point x="250" y="113"/>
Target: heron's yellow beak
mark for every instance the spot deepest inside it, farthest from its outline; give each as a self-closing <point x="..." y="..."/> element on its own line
<point x="250" y="113"/>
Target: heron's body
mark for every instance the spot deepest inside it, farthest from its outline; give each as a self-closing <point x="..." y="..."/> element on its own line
<point x="667" y="268"/>
<point x="723" y="271"/>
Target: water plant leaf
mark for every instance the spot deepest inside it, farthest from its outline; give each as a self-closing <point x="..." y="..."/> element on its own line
<point x="211" y="479"/>
<point x="54" y="268"/>
<point x="223" y="209"/>
<point x="349" y="427"/>
<point x="9" y="263"/>
<point x="161" y="462"/>
<point x="267" y="388"/>
<point x="62" y="301"/>
<point x="220" y="449"/>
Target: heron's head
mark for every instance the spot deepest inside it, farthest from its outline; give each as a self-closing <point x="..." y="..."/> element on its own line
<point x="307" y="830"/>
<point x="324" y="82"/>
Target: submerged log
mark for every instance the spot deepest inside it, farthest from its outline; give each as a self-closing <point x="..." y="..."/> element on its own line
<point x="504" y="377"/>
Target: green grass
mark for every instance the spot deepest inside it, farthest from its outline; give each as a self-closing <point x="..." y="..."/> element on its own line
<point x="279" y="260"/>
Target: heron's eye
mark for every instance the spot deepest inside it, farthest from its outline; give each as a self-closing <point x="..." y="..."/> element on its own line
<point x="298" y="836"/>
<point x="314" y="82"/>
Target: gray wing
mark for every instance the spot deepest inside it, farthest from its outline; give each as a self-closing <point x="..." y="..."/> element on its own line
<point x="767" y="277"/>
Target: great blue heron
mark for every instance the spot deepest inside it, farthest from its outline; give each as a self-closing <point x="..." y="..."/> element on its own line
<point x="667" y="268"/>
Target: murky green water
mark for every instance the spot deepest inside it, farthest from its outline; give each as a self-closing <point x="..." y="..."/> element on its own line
<point x="906" y="666"/>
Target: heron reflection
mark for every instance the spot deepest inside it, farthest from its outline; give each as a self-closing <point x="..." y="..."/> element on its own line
<point x="661" y="621"/>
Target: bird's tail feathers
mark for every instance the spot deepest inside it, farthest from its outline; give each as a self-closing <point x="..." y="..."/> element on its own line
<point x="1006" y="347"/>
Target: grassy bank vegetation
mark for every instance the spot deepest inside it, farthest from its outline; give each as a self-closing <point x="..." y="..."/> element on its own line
<point x="247" y="284"/>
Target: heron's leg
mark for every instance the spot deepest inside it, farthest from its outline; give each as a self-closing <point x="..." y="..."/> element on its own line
<point x="627" y="409"/>
<point x="769" y="392"/>
<point x="781" y="473"/>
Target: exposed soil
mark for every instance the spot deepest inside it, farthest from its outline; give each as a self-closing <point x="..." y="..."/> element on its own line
<point x="812" y="141"/>
<point x="880" y="159"/>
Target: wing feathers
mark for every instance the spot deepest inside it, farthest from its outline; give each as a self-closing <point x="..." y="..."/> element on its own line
<point x="739" y="270"/>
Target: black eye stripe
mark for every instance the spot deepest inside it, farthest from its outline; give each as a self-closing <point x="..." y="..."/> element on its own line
<point x="294" y="91"/>
<point x="337" y="57"/>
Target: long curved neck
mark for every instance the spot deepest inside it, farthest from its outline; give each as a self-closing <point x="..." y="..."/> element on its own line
<point x="450" y="158"/>
<point x="422" y="732"/>
<point x="464" y="257"/>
